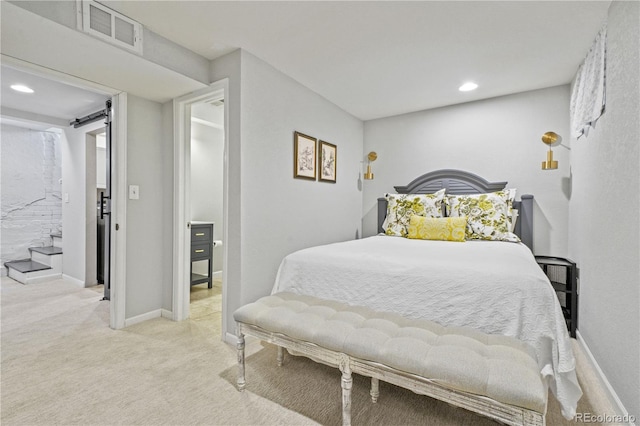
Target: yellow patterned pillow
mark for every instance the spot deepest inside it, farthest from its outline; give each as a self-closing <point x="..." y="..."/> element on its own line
<point x="400" y="208"/>
<point x="443" y="229"/>
<point x="488" y="215"/>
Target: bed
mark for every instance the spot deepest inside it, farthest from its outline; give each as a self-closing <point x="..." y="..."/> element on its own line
<point x="492" y="286"/>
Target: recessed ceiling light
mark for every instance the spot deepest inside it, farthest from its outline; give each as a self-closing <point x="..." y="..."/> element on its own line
<point x="21" y="88"/>
<point x="468" y="87"/>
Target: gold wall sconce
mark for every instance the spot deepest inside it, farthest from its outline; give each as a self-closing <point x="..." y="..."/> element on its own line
<point x="550" y="138"/>
<point x="370" y="157"/>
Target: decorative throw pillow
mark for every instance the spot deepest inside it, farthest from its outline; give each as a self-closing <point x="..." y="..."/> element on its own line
<point x="489" y="215"/>
<point x="400" y="208"/>
<point x="442" y="228"/>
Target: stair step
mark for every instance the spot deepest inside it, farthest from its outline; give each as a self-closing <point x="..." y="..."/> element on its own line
<point x="47" y="251"/>
<point x="26" y="265"/>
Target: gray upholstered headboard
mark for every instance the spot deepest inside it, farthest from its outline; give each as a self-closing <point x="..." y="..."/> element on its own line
<point x="460" y="182"/>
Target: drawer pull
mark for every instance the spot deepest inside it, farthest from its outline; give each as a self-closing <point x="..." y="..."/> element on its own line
<point x="200" y="251"/>
<point x="200" y="234"/>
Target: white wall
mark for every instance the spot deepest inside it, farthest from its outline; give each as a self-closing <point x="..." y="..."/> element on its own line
<point x="605" y="231"/>
<point x="498" y="139"/>
<point x="31" y="204"/>
<point x="280" y="214"/>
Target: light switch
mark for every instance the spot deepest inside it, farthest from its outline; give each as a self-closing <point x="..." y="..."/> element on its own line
<point x="134" y="192"/>
<point x="66" y="197"/>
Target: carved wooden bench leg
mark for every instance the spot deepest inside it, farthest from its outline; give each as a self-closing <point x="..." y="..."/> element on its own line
<point x="280" y="357"/>
<point x="375" y="390"/>
<point x="240" y="347"/>
<point x="347" y="383"/>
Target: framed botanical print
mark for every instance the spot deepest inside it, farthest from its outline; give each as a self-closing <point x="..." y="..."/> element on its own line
<point x="304" y="156"/>
<point x="327" y="162"/>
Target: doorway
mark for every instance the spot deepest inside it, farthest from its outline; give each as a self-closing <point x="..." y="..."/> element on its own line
<point x="200" y="197"/>
<point x="206" y="211"/>
<point x="98" y="191"/>
<point x="80" y="199"/>
<point x="57" y="98"/>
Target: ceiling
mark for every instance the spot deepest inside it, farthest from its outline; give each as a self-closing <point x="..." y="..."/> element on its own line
<point x="50" y="98"/>
<point x="382" y="58"/>
<point x="372" y="59"/>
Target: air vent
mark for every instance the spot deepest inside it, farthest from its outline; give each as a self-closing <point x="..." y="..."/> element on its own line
<point x="109" y="25"/>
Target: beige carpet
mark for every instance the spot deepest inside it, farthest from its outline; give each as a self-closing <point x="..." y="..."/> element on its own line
<point x="62" y="365"/>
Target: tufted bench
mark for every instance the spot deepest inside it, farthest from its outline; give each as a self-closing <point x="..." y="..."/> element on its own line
<point x="496" y="376"/>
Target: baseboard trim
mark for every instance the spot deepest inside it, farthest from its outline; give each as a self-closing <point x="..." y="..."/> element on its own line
<point x="231" y="339"/>
<point x="613" y="396"/>
<point x="76" y="281"/>
<point x="166" y="314"/>
<point x="143" y="317"/>
<point x="43" y="278"/>
<point x="217" y="275"/>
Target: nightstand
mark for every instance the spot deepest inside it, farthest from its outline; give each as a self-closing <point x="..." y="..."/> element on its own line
<point x="202" y="250"/>
<point x="563" y="274"/>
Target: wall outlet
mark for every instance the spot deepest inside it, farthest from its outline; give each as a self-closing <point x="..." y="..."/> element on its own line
<point x="134" y="192"/>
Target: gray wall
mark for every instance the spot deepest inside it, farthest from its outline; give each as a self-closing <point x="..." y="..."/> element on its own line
<point x="300" y="213"/>
<point x="498" y="139"/>
<point x="31" y="190"/>
<point x="148" y="237"/>
<point x="280" y="214"/>
<point x="604" y="232"/>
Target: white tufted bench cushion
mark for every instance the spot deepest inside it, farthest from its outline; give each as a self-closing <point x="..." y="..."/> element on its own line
<point x="501" y="368"/>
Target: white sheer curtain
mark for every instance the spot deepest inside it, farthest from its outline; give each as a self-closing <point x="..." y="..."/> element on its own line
<point x="588" y="91"/>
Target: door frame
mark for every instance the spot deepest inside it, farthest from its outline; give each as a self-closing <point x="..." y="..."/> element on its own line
<point x="182" y="196"/>
<point x="118" y="269"/>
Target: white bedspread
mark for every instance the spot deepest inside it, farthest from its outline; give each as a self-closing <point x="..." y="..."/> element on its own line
<point x="495" y="287"/>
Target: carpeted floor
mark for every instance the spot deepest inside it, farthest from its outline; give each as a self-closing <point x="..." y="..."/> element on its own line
<point x="62" y="365"/>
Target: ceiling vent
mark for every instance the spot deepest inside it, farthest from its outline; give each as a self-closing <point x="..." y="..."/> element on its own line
<point x="109" y="25"/>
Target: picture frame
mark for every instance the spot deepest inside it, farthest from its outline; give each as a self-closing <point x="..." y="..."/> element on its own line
<point x="327" y="162"/>
<point x="304" y="156"/>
